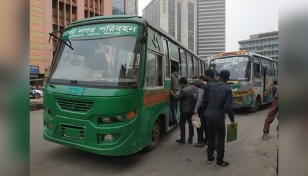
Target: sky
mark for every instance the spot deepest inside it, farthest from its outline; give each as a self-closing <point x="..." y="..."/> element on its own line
<point x="243" y="18"/>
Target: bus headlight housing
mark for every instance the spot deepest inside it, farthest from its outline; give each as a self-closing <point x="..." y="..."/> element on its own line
<point x="108" y="137"/>
<point x="120" y="118"/>
<point x="105" y="120"/>
<point x="243" y="85"/>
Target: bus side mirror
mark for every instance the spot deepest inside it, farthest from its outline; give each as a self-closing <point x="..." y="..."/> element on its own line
<point x="143" y="39"/>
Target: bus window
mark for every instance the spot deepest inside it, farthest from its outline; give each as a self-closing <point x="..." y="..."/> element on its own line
<point x="196" y="67"/>
<point x="256" y="71"/>
<point x="275" y="69"/>
<point x="167" y="60"/>
<point x="190" y="65"/>
<point x="270" y="69"/>
<point x="183" y="63"/>
<point x="201" y="68"/>
<point x="154" y="70"/>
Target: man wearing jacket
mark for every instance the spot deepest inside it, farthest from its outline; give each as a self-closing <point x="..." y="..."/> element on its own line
<point x="202" y="104"/>
<point x="219" y="100"/>
<point x="186" y="110"/>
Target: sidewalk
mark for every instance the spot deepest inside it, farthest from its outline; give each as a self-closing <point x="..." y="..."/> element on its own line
<point x="36" y="104"/>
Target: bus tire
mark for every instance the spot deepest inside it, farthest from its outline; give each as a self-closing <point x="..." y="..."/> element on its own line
<point x="155" y="135"/>
<point x="256" y="107"/>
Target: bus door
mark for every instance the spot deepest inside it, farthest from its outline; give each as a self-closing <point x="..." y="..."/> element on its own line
<point x="257" y="78"/>
<point x="265" y="91"/>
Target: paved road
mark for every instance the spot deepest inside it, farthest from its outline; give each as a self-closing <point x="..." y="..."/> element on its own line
<point x="248" y="156"/>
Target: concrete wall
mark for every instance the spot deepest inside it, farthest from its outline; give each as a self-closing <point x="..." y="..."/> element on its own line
<point x="48" y="55"/>
<point x="107" y="7"/>
<point x="37" y="34"/>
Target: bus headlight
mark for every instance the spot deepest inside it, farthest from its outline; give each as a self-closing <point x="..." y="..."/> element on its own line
<point x="108" y="137"/>
<point x="106" y="120"/>
<point x="120" y="118"/>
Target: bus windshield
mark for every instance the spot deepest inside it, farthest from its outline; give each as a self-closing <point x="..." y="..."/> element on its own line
<point x="239" y="67"/>
<point x="111" y="62"/>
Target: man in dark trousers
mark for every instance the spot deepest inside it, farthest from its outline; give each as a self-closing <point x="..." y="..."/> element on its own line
<point x="175" y="77"/>
<point x="219" y="100"/>
<point x="202" y="131"/>
<point x="186" y="110"/>
<point x="202" y="104"/>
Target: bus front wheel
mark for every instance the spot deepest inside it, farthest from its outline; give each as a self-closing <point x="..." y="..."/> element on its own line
<point x="155" y="135"/>
<point x="256" y="107"/>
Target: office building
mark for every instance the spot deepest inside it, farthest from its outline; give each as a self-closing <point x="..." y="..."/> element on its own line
<point x="211" y="28"/>
<point x="177" y="17"/>
<point x="49" y="15"/>
<point x="125" y="7"/>
<point x="265" y="44"/>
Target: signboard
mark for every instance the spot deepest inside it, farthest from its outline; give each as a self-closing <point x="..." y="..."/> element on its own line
<point x="75" y="90"/>
<point x="99" y="30"/>
<point x="230" y="60"/>
<point x="34" y="69"/>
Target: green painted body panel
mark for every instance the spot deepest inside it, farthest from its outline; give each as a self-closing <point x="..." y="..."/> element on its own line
<point x="106" y="103"/>
<point x="155" y="42"/>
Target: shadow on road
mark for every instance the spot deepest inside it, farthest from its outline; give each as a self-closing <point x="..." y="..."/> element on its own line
<point x="100" y="163"/>
<point x="244" y="111"/>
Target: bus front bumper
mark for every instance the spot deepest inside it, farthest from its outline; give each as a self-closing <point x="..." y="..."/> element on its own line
<point x="110" y="141"/>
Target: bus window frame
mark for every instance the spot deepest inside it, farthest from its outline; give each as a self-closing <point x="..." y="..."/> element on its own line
<point x="168" y="58"/>
<point x="180" y="59"/>
<point x="196" y="72"/>
<point x="201" y="67"/>
<point x="153" y="87"/>
<point x="256" y="61"/>
<point x="192" y="65"/>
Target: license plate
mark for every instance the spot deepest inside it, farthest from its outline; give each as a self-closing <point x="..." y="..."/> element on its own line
<point x="73" y="133"/>
<point x="75" y="90"/>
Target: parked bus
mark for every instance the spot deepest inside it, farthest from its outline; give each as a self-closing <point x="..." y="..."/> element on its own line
<point x="109" y="86"/>
<point x="251" y="77"/>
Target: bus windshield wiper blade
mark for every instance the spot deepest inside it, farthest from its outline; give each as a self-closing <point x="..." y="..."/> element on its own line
<point x="69" y="45"/>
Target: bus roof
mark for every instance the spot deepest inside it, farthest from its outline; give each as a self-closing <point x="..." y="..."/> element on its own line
<point x="241" y="52"/>
<point x="129" y="18"/>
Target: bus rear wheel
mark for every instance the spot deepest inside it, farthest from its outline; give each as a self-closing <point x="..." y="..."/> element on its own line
<point x="256" y="107"/>
<point x="155" y="135"/>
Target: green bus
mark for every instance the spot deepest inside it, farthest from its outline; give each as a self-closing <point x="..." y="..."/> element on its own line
<point x="108" y="91"/>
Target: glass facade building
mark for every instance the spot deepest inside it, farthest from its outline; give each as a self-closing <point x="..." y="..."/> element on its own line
<point x="118" y="7"/>
<point x="191" y="25"/>
<point x="124" y="7"/>
<point x="179" y="25"/>
<point x="177" y="17"/>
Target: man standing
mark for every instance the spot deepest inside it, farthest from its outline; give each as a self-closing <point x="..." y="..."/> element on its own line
<point x="202" y="104"/>
<point x="186" y="110"/>
<point x="274" y="88"/>
<point x="175" y="76"/>
<point x="270" y="118"/>
<point x="219" y="100"/>
<point x="202" y="130"/>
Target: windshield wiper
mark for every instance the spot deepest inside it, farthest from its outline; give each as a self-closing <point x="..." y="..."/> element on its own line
<point x="53" y="34"/>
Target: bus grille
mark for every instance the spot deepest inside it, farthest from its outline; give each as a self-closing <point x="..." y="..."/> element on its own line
<point x="75" y="105"/>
